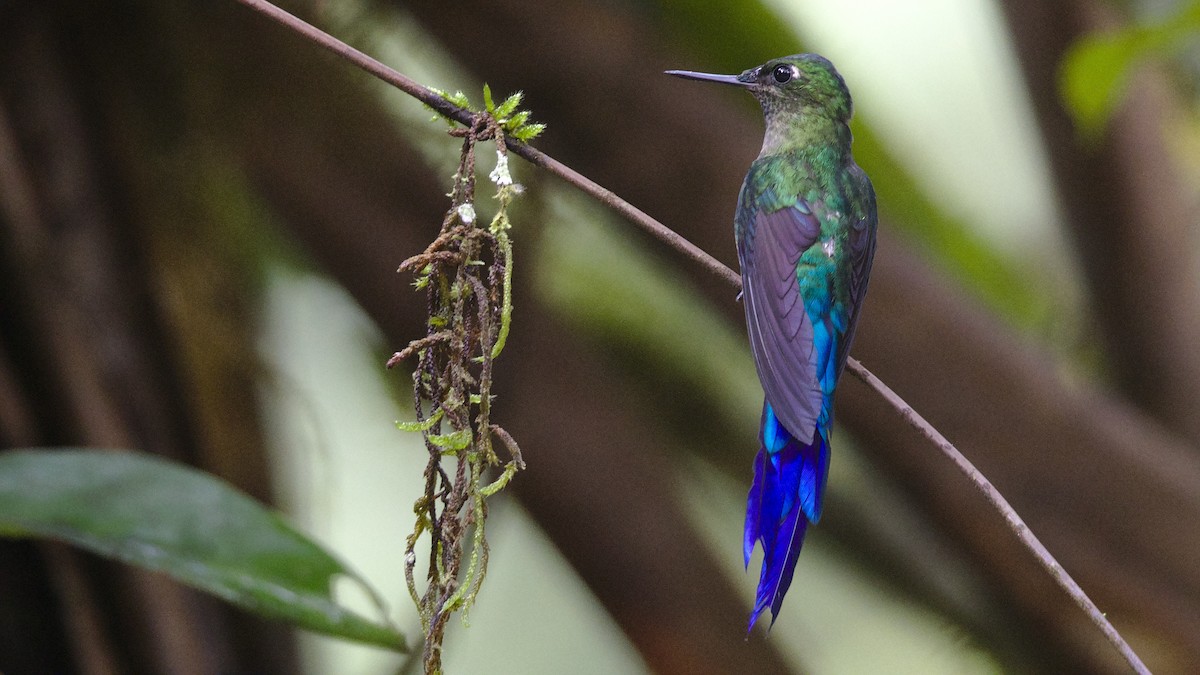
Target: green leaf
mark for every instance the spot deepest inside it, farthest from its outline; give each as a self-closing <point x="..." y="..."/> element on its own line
<point x="421" y="426"/>
<point x="457" y="98"/>
<point x="1094" y="75"/>
<point x="517" y="121"/>
<point x="509" y="106"/>
<point x="453" y="441"/>
<point x="166" y="517"/>
<point x="529" y="132"/>
<point x="1096" y="70"/>
<point x="487" y="99"/>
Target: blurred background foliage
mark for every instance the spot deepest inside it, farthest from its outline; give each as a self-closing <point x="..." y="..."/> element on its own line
<point x="201" y="217"/>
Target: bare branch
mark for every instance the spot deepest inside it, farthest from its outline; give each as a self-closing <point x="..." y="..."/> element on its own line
<point x="1018" y="526"/>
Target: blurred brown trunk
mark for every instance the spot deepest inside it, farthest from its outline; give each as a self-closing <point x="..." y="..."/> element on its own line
<point x="1132" y="215"/>
<point x="92" y="361"/>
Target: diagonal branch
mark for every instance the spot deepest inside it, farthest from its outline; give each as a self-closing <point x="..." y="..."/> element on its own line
<point x="1018" y="526"/>
<point x="523" y="150"/>
<point x="671" y="238"/>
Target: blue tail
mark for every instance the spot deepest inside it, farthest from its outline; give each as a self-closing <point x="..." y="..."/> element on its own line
<point x="788" y="488"/>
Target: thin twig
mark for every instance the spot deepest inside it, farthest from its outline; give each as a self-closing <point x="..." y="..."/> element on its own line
<point x="1052" y="567"/>
<point x="523" y="150"/>
<point x="697" y="255"/>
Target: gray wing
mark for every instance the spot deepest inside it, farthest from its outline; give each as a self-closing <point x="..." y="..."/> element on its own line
<point x="781" y="334"/>
<point x="862" y="254"/>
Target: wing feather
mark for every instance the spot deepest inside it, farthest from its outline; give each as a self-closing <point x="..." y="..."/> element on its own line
<point x="781" y="334"/>
<point x="862" y="253"/>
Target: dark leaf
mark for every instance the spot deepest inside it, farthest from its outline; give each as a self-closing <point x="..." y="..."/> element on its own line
<point x="149" y="512"/>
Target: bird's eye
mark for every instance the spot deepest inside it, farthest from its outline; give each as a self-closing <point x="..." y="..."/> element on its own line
<point x="782" y="73"/>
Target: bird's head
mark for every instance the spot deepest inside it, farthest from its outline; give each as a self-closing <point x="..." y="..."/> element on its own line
<point x="802" y="84"/>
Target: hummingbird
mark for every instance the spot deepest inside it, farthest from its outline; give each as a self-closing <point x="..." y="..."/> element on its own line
<point x="805" y="232"/>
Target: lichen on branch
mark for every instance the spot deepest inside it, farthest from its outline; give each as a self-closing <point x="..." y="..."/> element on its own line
<point x="466" y="273"/>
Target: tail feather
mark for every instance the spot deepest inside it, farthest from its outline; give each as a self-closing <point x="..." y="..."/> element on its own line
<point x="786" y="495"/>
<point x="754" y="506"/>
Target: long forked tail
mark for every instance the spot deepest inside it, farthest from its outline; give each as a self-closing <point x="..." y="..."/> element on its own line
<point x="786" y="495"/>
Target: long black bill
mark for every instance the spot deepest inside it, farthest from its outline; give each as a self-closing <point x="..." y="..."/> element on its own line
<point x="708" y="77"/>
